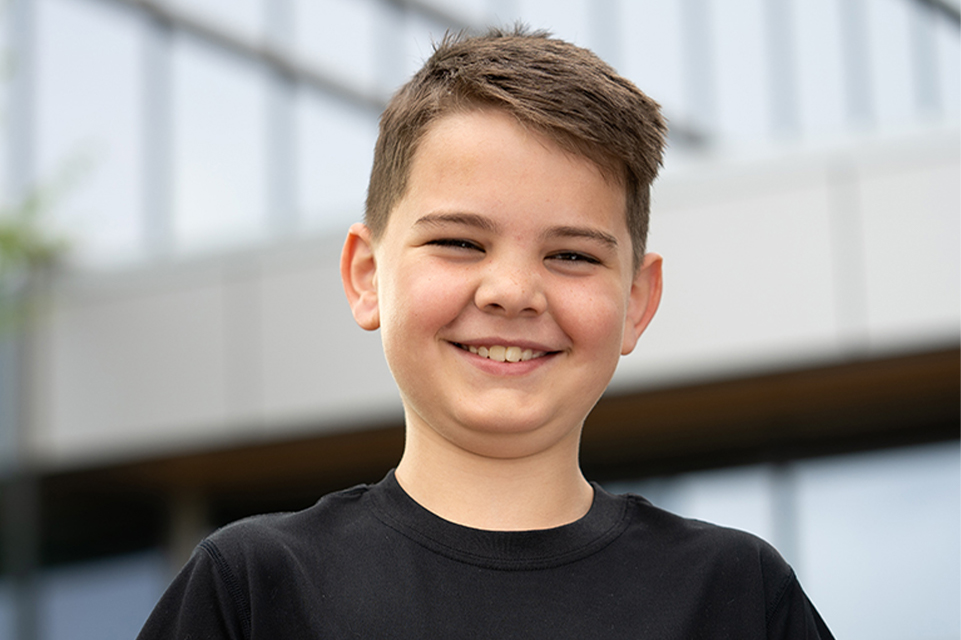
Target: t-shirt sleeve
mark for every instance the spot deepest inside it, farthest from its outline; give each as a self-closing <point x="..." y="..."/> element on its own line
<point x="794" y="617"/>
<point x="203" y="601"/>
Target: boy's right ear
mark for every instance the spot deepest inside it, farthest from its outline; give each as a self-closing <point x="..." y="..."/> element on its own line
<point x="358" y="272"/>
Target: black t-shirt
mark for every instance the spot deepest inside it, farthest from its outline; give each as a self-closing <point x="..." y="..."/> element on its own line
<point x="369" y="562"/>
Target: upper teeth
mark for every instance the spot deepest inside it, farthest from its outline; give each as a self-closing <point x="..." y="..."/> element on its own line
<point x="505" y="354"/>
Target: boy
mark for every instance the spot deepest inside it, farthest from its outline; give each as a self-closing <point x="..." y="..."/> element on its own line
<point x="503" y="261"/>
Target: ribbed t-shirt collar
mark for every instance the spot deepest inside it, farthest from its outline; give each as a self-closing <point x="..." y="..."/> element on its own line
<point x="505" y="550"/>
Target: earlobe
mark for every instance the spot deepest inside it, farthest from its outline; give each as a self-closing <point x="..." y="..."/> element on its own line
<point x="358" y="272"/>
<point x="644" y="299"/>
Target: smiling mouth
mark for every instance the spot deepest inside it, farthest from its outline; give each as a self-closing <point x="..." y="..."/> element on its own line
<point x="500" y="353"/>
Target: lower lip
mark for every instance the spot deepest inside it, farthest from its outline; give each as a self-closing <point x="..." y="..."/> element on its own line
<point x="496" y="368"/>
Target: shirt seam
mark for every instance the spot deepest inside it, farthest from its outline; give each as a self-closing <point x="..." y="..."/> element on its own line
<point x="230" y="581"/>
<point x="502" y="564"/>
<point x="779" y="597"/>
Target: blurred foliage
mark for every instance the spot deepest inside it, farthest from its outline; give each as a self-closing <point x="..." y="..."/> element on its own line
<point x="29" y="246"/>
<point x="24" y="244"/>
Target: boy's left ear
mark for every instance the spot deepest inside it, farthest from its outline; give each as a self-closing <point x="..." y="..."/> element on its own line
<point x="645" y="296"/>
<point x="358" y="272"/>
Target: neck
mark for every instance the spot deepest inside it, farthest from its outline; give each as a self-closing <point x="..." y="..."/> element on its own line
<point x="539" y="491"/>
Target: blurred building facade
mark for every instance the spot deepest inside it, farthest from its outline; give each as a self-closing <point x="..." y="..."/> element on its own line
<point x="193" y="361"/>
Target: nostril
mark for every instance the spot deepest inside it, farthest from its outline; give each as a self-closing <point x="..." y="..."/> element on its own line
<point x="510" y="294"/>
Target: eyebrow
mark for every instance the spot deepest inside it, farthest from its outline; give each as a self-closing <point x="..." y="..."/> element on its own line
<point x="468" y="219"/>
<point x="482" y="222"/>
<point x="582" y="232"/>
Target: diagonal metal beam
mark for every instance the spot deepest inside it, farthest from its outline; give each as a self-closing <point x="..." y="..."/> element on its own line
<point x="950" y="9"/>
<point x="279" y="59"/>
<point x="430" y="10"/>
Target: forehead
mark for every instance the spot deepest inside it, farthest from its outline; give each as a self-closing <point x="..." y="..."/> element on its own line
<point x="484" y="160"/>
<point x="462" y="115"/>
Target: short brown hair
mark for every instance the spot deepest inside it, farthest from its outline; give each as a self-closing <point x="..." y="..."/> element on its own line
<point x="558" y="89"/>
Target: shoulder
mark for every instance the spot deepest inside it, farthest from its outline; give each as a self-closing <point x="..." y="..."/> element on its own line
<point x="691" y="536"/>
<point x="280" y="537"/>
<point x="262" y="564"/>
<point x="330" y="506"/>
<point x="730" y="579"/>
<point x="715" y="554"/>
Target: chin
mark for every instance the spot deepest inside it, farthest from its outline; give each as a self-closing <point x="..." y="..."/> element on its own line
<point x="511" y="436"/>
<point x="507" y="420"/>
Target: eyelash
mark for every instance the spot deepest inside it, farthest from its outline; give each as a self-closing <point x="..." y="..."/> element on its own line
<point x="456" y="243"/>
<point x="574" y="256"/>
<point x="563" y="256"/>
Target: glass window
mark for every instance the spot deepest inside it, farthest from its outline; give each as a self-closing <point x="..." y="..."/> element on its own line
<point x="475" y="11"/>
<point x="7" y="611"/>
<point x="949" y="68"/>
<point x="244" y="16"/>
<point x="819" y="66"/>
<point x="566" y="19"/>
<point x="741" y="81"/>
<point x="88" y="124"/>
<point x="6" y="45"/>
<point x="339" y="36"/>
<point x="500" y="12"/>
<point x="698" y="65"/>
<point x="879" y="547"/>
<point x="219" y="147"/>
<point x="335" y="144"/>
<point x="108" y="598"/>
<point x="892" y="57"/>
<point x="651" y="36"/>
<point x="421" y="34"/>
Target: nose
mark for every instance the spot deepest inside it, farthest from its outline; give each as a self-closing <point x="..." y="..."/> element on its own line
<point x="511" y="289"/>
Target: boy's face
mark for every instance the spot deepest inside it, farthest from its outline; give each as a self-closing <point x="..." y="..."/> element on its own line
<point x="503" y="286"/>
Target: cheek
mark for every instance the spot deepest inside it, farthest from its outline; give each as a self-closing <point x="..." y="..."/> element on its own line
<point x="592" y="317"/>
<point x="419" y="301"/>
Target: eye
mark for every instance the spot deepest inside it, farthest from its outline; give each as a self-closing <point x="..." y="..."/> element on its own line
<point x="456" y="243"/>
<point x="573" y="257"/>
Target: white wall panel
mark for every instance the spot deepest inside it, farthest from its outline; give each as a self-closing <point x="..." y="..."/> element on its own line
<point x="319" y="366"/>
<point x="132" y="370"/>
<point x="748" y="275"/>
<point x="771" y="263"/>
<point x="242" y="344"/>
<point x="912" y="230"/>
